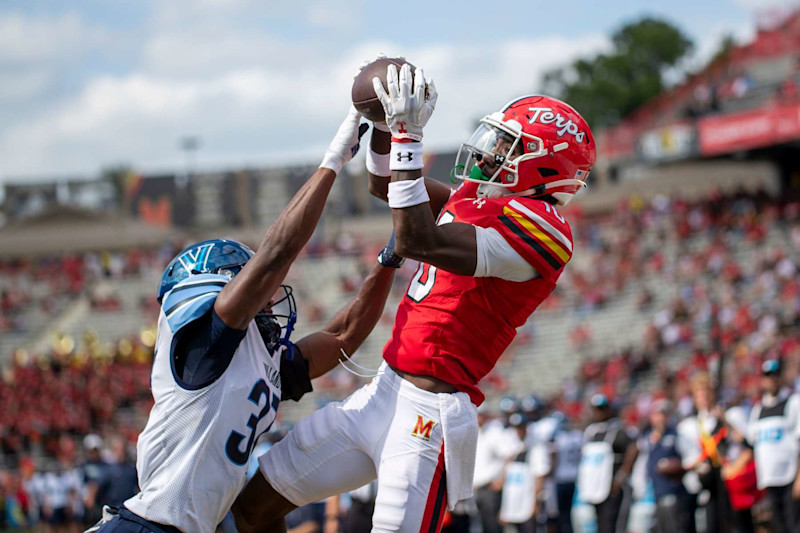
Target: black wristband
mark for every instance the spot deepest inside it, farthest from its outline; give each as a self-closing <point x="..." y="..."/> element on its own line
<point x="388" y="257"/>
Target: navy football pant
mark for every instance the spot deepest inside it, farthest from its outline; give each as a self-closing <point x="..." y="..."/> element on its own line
<point x="127" y="522"/>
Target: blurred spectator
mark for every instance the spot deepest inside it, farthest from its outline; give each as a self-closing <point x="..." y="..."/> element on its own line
<point x="567" y="457"/>
<point x="119" y="481"/>
<point x="93" y="473"/>
<point x="494" y="449"/>
<point x="739" y="472"/>
<point x="359" y="516"/>
<point x="773" y="433"/>
<point x="307" y="519"/>
<point x="674" y="510"/>
<point x="520" y="489"/>
<point x="701" y="444"/>
<point x="607" y="459"/>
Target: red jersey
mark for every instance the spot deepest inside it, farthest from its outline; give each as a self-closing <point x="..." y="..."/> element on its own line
<point x="456" y="327"/>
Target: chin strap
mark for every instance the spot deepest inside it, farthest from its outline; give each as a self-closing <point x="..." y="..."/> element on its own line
<point x="542" y="189"/>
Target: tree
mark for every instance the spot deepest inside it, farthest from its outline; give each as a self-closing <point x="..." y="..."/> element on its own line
<point x="118" y="176"/>
<point x="725" y="46"/>
<point x="607" y="87"/>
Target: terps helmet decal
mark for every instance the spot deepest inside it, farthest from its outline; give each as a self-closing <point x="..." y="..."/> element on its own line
<point x="545" y="115"/>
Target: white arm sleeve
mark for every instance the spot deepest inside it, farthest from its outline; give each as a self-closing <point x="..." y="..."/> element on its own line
<point x="793" y="408"/>
<point x="498" y="259"/>
<point x="752" y="433"/>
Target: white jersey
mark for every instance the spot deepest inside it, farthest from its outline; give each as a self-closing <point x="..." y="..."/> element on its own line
<point x="495" y="446"/>
<point x="689" y="446"/>
<point x="773" y="434"/>
<point x="193" y="454"/>
<point x="519" y="495"/>
<point x="59" y="488"/>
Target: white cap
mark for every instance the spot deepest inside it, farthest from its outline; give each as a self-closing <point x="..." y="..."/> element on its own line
<point x="92" y="442"/>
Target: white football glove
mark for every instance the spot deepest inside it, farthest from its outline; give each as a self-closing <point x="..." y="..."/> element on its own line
<point x="407" y="107"/>
<point x="346" y="142"/>
<point x="368" y="62"/>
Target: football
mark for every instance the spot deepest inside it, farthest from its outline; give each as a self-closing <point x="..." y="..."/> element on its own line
<point x="363" y="94"/>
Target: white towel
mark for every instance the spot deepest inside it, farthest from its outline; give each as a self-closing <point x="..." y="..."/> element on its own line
<point x="459" y="418"/>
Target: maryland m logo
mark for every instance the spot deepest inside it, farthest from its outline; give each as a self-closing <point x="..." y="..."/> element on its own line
<point x="423" y="429"/>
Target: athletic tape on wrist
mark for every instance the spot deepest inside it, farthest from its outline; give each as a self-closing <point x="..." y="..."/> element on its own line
<point x="406" y="156"/>
<point x="378" y="164"/>
<point x="333" y="162"/>
<point x="407" y="193"/>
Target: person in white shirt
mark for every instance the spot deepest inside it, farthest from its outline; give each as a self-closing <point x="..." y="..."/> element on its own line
<point x="362" y="506"/>
<point x="520" y="487"/>
<point x="62" y="491"/>
<point x="540" y="440"/>
<point x="773" y="433"/>
<point x="703" y="466"/>
<point x="567" y="458"/>
<point x="494" y="449"/>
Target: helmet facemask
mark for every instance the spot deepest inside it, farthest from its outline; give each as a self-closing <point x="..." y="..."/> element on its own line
<point x="499" y="145"/>
<point x="277" y="324"/>
<point x="512" y="170"/>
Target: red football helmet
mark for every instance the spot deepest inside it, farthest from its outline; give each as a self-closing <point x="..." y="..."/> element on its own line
<point x="534" y="146"/>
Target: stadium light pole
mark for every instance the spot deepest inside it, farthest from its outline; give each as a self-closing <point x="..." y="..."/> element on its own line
<point x="189" y="145"/>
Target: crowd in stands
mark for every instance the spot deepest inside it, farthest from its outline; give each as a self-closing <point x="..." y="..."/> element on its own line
<point x="47" y="284"/>
<point x="731" y="263"/>
<point x="724" y="89"/>
<point x="743" y="80"/>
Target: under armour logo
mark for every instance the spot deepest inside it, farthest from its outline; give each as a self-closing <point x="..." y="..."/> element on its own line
<point x="479" y="202"/>
<point x="402" y="127"/>
<point x="408" y="155"/>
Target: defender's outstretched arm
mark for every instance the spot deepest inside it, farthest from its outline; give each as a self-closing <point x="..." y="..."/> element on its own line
<point x="348" y="329"/>
<point x="250" y="291"/>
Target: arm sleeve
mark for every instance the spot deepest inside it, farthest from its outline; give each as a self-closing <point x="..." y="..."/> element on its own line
<point x="203" y="349"/>
<point x="794" y="414"/>
<point x="540" y="462"/>
<point x="498" y="259"/>
<point x="621" y="441"/>
<point x="684" y="445"/>
<point x="295" y="381"/>
<point x="751" y="426"/>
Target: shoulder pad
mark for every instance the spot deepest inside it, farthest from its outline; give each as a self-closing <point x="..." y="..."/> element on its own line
<point x="192" y="298"/>
<point x="467" y="189"/>
<point x="537" y="232"/>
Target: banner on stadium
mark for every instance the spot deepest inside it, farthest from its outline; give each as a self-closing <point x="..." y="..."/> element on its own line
<point x="747" y="130"/>
<point x="617" y="143"/>
<point x="677" y="141"/>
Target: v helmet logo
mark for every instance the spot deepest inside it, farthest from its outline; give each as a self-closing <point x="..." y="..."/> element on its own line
<point x="195" y="260"/>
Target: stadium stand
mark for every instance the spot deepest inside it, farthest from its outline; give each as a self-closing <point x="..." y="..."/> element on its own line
<point x="678" y="284"/>
<point x="661" y="286"/>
